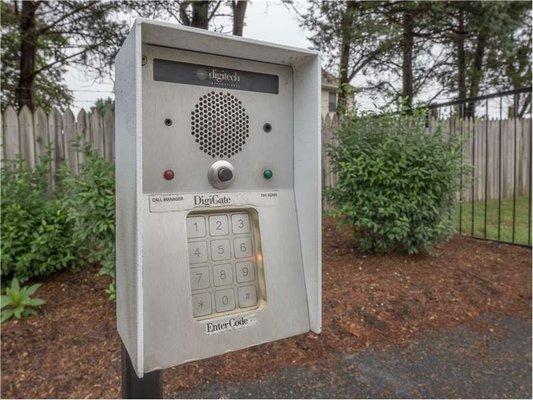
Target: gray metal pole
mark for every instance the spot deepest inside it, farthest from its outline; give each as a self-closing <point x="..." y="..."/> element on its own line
<point x="150" y="386"/>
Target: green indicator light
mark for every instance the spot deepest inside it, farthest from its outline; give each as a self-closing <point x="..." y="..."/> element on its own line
<point x="267" y="174"/>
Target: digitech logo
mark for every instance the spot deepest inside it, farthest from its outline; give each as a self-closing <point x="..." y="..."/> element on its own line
<point x="211" y="200"/>
<point x="221" y="76"/>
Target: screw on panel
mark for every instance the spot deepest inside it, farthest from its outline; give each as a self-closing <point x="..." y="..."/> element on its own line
<point x="168" y="122"/>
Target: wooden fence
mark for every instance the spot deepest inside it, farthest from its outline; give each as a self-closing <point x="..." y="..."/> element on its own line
<point x="28" y="134"/>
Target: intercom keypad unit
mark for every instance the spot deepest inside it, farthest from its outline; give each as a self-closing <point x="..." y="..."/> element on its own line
<point x="218" y="228"/>
<point x="224" y="263"/>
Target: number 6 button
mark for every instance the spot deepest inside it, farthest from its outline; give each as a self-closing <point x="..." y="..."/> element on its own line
<point x="242" y="247"/>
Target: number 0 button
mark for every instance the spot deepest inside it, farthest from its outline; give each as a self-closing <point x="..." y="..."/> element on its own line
<point x="242" y="247"/>
<point x="224" y="300"/>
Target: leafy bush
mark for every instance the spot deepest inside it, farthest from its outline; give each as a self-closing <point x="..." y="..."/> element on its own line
<point x="45" y="230"/>
<point x="396" y="181"/>
<point x="35" y="235"/>
<point x="18" y="302"/>
<point x="89" y="199"/>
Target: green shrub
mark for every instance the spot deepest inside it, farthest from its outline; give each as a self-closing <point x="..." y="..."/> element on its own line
<point x="396" y="181"/>
<point x="35" y="235"/>
<point x="17" y="301"/>
<point x="89" y="198"/>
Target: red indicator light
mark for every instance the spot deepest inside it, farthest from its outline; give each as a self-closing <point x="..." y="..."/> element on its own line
<point x="168" y="174"/>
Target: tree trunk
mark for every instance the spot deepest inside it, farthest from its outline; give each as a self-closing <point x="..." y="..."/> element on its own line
<point x="344" y="84"/>
<point x="200" y="17"/>
<point x="477" y="72"/>
<point x="239" y="10"/>
<point x="408" y="22"/>
<point x="25" y="91"/>
<point x="461" y="61"/>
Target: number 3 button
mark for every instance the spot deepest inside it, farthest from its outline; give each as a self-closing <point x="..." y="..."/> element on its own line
<point x="242" y="247"/>
<point x="240" y="223"/>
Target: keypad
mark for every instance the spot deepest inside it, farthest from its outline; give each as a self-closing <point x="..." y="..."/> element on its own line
<point x="223" y="268"/>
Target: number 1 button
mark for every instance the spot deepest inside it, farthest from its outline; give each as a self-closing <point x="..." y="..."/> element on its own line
<point x="195" y="227"/>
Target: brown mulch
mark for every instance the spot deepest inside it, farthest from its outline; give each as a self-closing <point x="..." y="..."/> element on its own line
<point x="71" y="348"/>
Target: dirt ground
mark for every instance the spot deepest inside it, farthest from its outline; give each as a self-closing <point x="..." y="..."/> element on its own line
<point x="71" y="349"/>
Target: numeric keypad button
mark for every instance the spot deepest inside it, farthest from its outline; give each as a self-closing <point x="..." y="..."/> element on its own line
<point x="200" y="278"/>
<point x="222" y="275"/>
<point x="242" y="247"/>
<point x="247" y="296"/>
<point x="218" y="225"/>
<point x="245" y="271"/>
<point x="224" y="300"/>
<point x="196" y="227"/>
<point x="197" y="252"/>
<point x="240" y="223"/>
<point x="201" y="304"/>
<point x="220" y="250"/>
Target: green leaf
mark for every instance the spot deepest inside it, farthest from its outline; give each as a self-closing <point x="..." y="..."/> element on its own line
<point x="6" y="314"/>
<point x="31" y="290"/>
<point x="5" y="301"/>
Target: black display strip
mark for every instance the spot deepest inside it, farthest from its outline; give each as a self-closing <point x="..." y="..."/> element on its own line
<point x="205" y="75"/>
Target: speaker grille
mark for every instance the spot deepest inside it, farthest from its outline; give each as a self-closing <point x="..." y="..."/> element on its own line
<point x="219" y="124"/>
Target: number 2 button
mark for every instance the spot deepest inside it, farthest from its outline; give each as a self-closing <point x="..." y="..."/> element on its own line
<point x="218" y="225"/>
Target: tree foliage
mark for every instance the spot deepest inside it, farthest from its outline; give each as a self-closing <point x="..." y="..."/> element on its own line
<point x="44" y="37"/>
<point x="417" y="50"/>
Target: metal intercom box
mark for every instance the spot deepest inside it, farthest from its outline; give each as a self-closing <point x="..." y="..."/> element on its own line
<point x="218" y="230"/>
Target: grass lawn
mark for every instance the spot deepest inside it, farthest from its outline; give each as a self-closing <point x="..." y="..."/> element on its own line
<point x="506" y="228"/>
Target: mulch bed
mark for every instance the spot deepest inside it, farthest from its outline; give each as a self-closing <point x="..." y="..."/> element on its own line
<point x="71" y="349"/>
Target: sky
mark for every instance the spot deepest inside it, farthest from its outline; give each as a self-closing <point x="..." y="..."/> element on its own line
<point x="269" y="21"/>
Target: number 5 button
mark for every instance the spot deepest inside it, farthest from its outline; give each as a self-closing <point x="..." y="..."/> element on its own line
<point x="242" y="247"/>
<point x="220" y="250"/>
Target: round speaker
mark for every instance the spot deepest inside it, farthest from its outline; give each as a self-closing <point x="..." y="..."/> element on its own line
<point x="219" y="124"/>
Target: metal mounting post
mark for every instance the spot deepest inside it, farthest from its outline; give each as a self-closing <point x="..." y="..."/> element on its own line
<point x="150" y="386"/>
